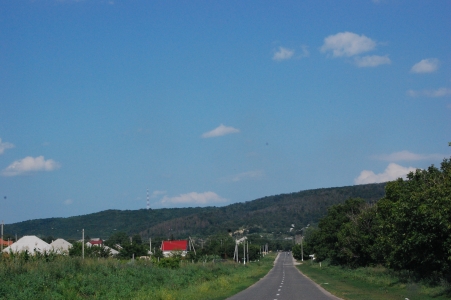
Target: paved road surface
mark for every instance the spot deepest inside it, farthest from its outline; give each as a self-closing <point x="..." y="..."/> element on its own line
<point x="284" y="282"/>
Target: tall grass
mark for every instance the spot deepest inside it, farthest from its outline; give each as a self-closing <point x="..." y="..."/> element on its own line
<point x="373" y="283"/>
<point x="61" y="277"/>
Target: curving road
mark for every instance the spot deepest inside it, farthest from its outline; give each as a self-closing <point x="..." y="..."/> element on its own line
<point x="284" y="282"/>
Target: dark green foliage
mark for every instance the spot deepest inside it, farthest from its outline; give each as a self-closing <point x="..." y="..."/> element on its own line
<point x="93" y="251"/>
<point x="416" y="228"/>
<point x="330" y="240"/>
<point x="407" y="230"/>
<point x="297" y="251"/>
<point x="117" y="238"/>
<point x="130" y="250"/>
<point x="157" y="253"/>
<point x="357" y="239"/>
<point x="65" y="277"/>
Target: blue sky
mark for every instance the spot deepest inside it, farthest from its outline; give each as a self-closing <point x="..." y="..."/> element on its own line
<point x="215" y="102"/>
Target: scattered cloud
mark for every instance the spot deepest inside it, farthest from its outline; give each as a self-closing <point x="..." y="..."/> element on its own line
<point x="248" y="175"/>
<point x="4" y="146"/>
<point x="392" y="172"/>
<point x="372" y="61"/>
<point x="158" y="193"/>
<point x="194" y="198"/>
<point x="441" y="92"/>
<point x="283" y="54"/>
<point x="245" y="175"/>
<point x="30" y="164"/>
<point x="408" y="156"/>
<point x="347" y="44"/>
<point x="220" y="131"/>
<point x="427" y="65"/>
<point x="68" y="202"/>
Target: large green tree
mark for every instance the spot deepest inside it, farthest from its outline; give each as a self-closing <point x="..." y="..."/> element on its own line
<point x="415" y="232"/>
<point x="325" y="242"/>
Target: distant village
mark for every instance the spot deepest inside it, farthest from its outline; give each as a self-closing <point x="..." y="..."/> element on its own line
<point x="32" y="244"/>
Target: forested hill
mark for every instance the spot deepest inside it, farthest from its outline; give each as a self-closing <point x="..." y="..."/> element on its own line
<point x="268" y="214"/>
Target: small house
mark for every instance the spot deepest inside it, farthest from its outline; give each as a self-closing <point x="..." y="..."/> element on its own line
<point x="169" y="247"/>
<point x="6" y="243"/>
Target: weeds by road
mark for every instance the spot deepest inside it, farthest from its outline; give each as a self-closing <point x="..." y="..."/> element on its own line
<point x="73" y="278"/>
<point x="372" y="283"/>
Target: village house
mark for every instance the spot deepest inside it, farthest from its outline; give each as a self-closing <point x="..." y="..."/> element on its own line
<point x="169" y="247"/>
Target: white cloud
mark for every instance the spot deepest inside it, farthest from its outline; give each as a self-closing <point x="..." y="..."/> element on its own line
<point x="427" y="65"/>
<point x="219" y="131"/>
<point x="392" y="172"/>
<point x="194" y="198"/>
<point x="4" y="146"/>
<point x="30" y="164"/>
<point x="283" y="54"/>
<point x="372" y="61"/>
<point x="441" y="92"/>
<point x="246" y="175"/>
<point x="408" y="156"/>
<point x="347" y="44"/>
<point x="68" y="201"/>
<point x="157" y="193"/>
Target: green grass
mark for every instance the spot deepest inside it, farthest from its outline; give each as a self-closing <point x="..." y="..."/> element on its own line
<point x="371" y="283"/>
<point x="74" y="278"/>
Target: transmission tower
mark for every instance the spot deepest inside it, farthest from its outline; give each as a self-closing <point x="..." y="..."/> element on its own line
<point x="148" y="199"/>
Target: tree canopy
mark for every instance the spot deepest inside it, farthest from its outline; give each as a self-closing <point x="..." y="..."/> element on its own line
<point x="408" y="229"/>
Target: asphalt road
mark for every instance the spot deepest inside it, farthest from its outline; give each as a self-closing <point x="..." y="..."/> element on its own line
<point x="284" y="282"/>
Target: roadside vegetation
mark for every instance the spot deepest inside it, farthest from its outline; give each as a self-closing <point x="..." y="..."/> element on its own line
<point x="51" y="276"/>
<point x="373" y="283"/>
<point x="407" y="233"/>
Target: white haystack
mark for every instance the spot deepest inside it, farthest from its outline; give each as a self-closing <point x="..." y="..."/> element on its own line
<point x="29" y="242"/>
<point x="61" y="246"/>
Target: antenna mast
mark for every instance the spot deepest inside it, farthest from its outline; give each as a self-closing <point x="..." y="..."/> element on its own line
<point x="148" y="200"/>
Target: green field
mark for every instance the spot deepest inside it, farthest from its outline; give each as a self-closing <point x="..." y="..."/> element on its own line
<point x="371" y="283"/>
<point x="73" y="278"/>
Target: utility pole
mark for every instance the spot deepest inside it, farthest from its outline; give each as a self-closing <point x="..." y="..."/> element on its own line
<point x="248" y="251"/>
<point x="2" y="236"/>
<point x="244" y="252"/>
<point x="83" y="244"/>
<point x="302" y="249"/>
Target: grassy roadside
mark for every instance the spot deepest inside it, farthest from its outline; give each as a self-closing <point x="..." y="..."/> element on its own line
<point x="369" y="283"/>
<point x="218" y="287"/>
<point x="74" y="278"/>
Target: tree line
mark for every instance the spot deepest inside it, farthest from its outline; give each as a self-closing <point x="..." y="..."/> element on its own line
<point x="409" y="229"/>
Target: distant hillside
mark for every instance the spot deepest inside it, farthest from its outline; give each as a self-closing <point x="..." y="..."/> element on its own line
<point x="268" y="214"/>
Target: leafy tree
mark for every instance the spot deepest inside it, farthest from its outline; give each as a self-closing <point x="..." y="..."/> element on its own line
<point x="158" y="253"/>
<point x="130" y="250"/>
<point x="136" y="239"/>
<point x="325" y="241"/>
<point x="357" y="238"/>
<point x="117" y="238"/>
<point x="48" y="239"/>
<point x="93" y="251"/>
<point x="416" y="221"/>
<point x="297" y="251"/>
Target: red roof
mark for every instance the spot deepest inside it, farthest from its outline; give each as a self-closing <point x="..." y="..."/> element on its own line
<point x="96" y="242"/>
<point x="180" y="245"/>
<point x="6" y="243"/>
